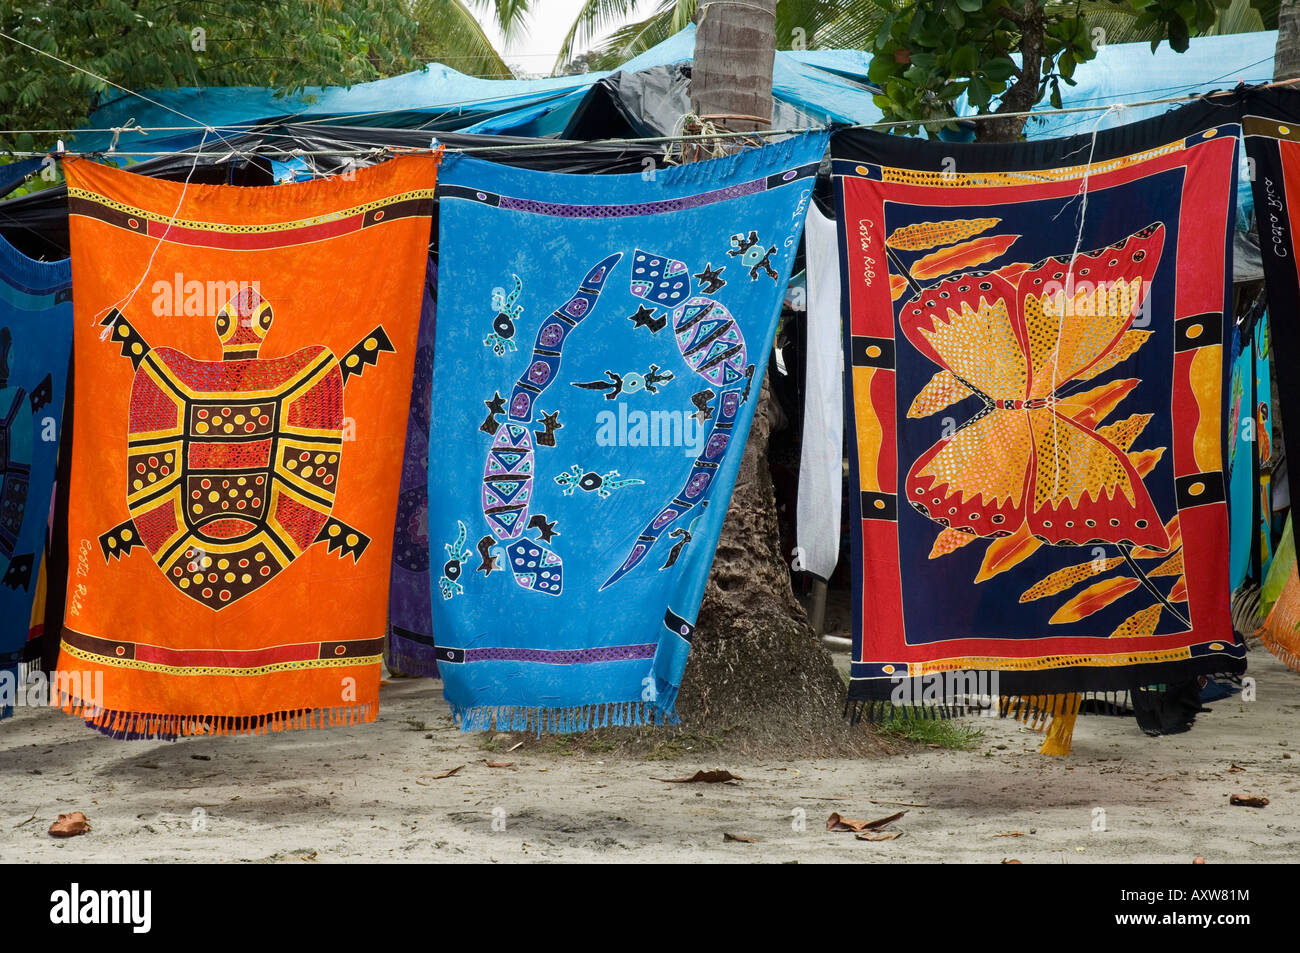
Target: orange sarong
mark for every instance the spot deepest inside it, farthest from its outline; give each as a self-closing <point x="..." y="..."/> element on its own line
<point x="244" y="362"/>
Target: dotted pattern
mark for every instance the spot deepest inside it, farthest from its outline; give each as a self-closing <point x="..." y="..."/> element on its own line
<point x="1072" y="462"/>
<point x="640" y="208"/>
<point x="933" y="234"/>
<point x="152" y="409"/>
<point x="1067" y="578"/>
<point x="224" y="494"/>
<point x="942" y="390"/>
<point x="301" y="523"/>
<point x="535" y="567"/>
<point x="984" y="464"/>
<point x="151" y="468"/>
<point x="321" y="407"/>
<point x="157" y="525"/>
<point x="317" y="468"/>
<point x="663" y="281"/>
<point x="13" y="503"/>
<point x="411" y="539"/>
<point x="610" y="653"/>
<point x="1139" y="624"/>
<point x="232" y="377"/>
<point x="977" y="343"/>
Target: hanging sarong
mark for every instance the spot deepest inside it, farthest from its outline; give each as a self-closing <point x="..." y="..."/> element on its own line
<point x="35" y="344"/>
<point x="410" y="621"/>
<point x="1250" y="449"/>
<point x="244" y="367"/>
<point x="1036" y="393"/>
<point x="821" y="451"/>
<point x="608" y="347"/>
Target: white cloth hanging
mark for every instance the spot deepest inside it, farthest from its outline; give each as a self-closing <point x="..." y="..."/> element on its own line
<point x="817" y="518"/>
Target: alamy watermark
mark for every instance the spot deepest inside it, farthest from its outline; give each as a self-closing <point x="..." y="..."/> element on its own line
<point x="650" y="428"/>
<point x="974" y="689"/>
<point x="39" y="690"/>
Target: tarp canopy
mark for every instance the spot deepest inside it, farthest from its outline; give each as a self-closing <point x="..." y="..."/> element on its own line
<point x="650" y="93"/>
<point x="815" y="86"/>
<point x="37" y="224"/>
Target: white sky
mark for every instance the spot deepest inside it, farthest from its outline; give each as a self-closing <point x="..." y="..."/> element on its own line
<point x="535" y="48"/>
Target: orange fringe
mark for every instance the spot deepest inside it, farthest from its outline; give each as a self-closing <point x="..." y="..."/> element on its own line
<point x="152" y="723"/>
<point x="1279" y="633"/>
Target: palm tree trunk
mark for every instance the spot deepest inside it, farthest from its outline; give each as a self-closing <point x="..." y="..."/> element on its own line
<point x="755" y="661"/>
<point x="1286" y="62"/>
<point x="735" y="49"/>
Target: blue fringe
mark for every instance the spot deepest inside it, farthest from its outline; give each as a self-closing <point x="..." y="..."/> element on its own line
<point x="564" y="720"/>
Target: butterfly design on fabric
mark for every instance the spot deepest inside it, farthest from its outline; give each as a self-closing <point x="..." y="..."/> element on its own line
<point x="1036" y="460"/>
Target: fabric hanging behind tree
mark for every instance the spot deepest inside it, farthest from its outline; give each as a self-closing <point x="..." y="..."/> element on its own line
<point x="244" y="367"/>
<point x="410" y="618"/>
<point x="611" y="337"/>
<point x="1036" y="384"/>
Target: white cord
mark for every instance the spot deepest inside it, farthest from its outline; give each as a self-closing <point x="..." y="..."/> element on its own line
<point x="126" y="301"/>
<point x="1067" y="296"/>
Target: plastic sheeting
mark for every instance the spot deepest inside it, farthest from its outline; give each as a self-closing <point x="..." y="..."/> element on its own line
<point x="37" y="224"/>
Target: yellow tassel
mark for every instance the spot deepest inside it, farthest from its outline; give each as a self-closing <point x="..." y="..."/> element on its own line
<point x="1060" y="733"/>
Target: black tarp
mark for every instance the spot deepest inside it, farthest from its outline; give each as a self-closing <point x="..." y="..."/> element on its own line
<point x="37" y="224"/>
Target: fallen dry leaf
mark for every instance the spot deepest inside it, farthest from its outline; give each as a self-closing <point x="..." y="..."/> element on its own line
<point x="498" y="764"/>
<point x="837" y="823"/>
<point x="878" y="835"/>
<point x="1011" y="834"/>
<point x="1248" y="800"/>
<point x="703" y="777"/>
<point x="70" y="825"/>
<point x="1235" y="768"/>
<point x="1007" y="861"/>
<point x="447" y="774"/>
<point x="739" y="838"/>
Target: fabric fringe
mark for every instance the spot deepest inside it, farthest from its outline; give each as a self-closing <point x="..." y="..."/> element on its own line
<point x="412" y="663"/>
<point x="1283" y="643"/>
<point x="1060" y="735"/>
<point x="1034" y="710"/>
<point x="562" y="720"/>
<point x="1280" y="632"/>
<point x="136" y="726"/>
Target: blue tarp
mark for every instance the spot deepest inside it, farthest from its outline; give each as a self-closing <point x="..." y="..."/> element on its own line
<point x="821" y="85"/>
<point x="825" y="85"/>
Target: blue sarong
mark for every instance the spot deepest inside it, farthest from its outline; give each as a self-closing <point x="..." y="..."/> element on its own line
<point x="35" y="344"/>
<point x="600" y="346"/>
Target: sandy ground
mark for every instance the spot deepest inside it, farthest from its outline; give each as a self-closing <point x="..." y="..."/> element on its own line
<point x="370" y="793"/>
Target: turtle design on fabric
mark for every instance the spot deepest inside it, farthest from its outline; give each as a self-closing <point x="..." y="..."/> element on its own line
<point x="233" y="465"/>
<point x="17" y="435"/>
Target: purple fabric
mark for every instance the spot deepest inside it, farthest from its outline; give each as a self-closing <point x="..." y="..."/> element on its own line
<point x="611" y="653"/>
<point x="636" y="208"/>
<point x="410" y="626"/>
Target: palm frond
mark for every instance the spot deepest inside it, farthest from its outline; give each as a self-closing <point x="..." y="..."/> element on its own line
<point x="594" y="18"/>
<point x="628" y="41"/>
<point x="446" y="31"/>
<point x="836" y="26"/>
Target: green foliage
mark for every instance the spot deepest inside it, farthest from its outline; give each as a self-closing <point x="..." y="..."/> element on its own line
<point x="152" y="44"/>
<point x="164" y="44"/>
<point x="950" y="734"/>
<point x="800" y="24"/>
<point x="927" y="54"/>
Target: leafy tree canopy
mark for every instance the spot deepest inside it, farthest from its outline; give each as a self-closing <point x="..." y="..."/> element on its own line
<point x="284" y="44"/>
